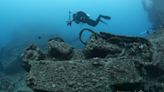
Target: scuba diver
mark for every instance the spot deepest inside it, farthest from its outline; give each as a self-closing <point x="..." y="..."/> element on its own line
<point x="82" y="17"/>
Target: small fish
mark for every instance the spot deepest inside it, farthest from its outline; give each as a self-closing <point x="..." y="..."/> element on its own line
<point x="2" y="49"/>
<point x="161" y="26"/>
<point x="39" y="37"/>
<point x="147" y="32"/>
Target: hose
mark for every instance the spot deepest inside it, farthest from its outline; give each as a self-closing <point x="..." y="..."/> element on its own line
<point x="86" y="29"/>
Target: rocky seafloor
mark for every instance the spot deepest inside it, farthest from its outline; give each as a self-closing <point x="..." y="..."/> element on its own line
<point x="107" y="63"/>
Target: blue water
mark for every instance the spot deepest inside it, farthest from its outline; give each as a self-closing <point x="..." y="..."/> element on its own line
<point x="22" y="18"/>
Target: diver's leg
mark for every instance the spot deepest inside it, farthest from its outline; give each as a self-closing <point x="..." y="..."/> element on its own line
<point x="92" y="22"/>
<point x="99" y="19"/>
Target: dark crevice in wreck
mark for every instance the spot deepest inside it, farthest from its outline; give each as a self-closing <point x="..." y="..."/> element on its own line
<point x="128" y="87"/>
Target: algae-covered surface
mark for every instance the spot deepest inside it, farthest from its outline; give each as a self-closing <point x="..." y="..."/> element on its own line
<point x="39" y="52"/>
<point x="127" y="65"/>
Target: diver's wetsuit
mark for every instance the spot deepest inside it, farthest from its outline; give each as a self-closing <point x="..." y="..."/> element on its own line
<point x="84" y="18"/>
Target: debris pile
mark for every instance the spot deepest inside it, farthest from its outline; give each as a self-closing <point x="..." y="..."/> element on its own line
<point x="108" y="63"/>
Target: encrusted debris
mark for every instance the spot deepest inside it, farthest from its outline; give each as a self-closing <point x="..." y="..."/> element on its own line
<point x="108" y="63"/>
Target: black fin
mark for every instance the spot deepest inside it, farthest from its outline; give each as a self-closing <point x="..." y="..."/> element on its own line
<point x="106" y="17"/>
<point x="103" y="22"/>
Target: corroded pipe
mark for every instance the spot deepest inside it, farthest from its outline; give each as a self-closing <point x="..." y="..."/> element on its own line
<point x="87" y="29"/>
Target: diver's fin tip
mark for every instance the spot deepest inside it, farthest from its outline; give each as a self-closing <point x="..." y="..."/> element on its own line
<point x="106" y="17"/>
